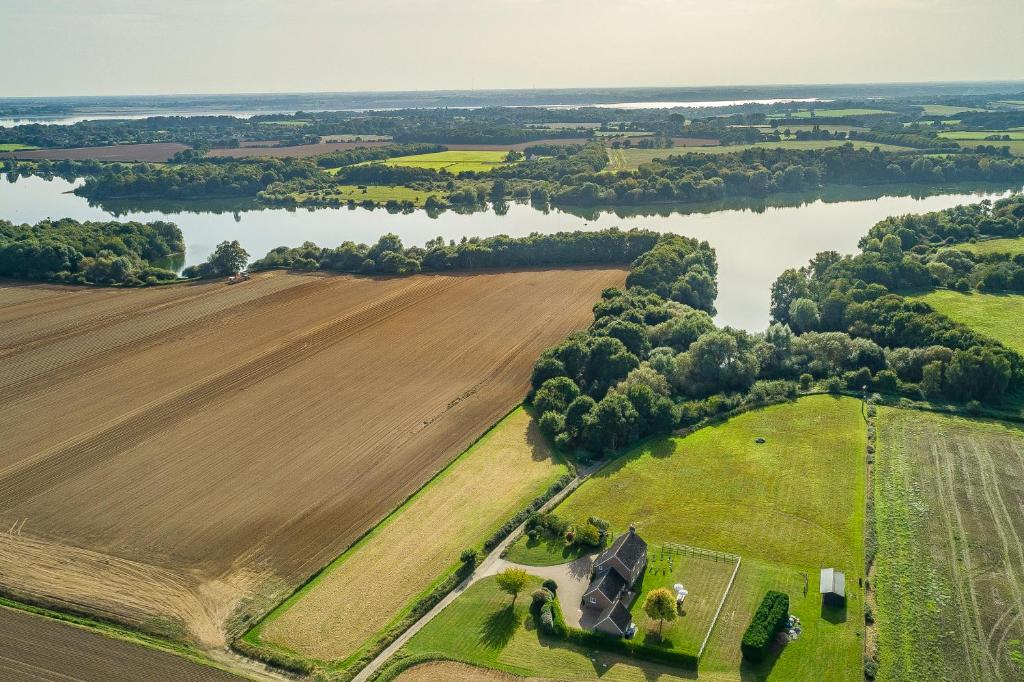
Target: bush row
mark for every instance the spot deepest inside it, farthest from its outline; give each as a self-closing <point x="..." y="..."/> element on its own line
<point x="524" y="514"/>
<point x="769" y="619"/>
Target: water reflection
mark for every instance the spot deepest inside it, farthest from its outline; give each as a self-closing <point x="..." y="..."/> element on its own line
<point x="755" y="238"/>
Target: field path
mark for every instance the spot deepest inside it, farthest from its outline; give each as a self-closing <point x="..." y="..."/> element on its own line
<point x="491" y="564"/>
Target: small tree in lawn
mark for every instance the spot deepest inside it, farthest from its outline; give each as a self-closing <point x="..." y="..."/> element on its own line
<point x="661" y="605"/>
<point x="512" y="581"/>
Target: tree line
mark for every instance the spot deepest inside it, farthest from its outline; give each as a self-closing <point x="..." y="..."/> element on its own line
<point x="389" y="256"/>
<point x="653" y="359"/>
<point x="856" y="295"/>
<point x="89" y="252"/>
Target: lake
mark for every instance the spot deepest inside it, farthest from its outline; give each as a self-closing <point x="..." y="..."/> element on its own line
<point x="755" y="242"/>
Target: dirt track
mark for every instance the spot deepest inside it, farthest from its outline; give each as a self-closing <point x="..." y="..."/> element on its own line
<point x="180" y="457"/>
<point x="33" y="649"/>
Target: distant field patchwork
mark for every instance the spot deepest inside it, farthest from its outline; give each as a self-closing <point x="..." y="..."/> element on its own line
<point x="453" y="161"/>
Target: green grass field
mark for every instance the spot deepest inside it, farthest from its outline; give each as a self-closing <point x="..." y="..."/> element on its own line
<point x="980" y="134"/>
<point x="374" y="584"/>
<point x="1012" y="246"/>
<point x="378" y="194"/>
<point x="456" y="162"/>
<point x="481" y="628"/>
<point x="789" y="507"/>
<point x="950" y="567"/>
<point x="631" y="159"/>
<point x="837" y="113"/>
<point x="15" y="147"/>
<point x="1016" y="146"/>
<point x="945" y="109"/>
<point x="997" y="316"/>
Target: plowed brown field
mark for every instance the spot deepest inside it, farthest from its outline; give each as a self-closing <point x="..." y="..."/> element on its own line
<point x="37" y="649"/>
<point x="179" y="458"/>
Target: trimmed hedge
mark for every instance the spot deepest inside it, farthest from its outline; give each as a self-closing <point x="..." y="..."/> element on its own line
<point x="770" y="617"/>
<point x="624" y="647"/>
<point x="513" y="523"/>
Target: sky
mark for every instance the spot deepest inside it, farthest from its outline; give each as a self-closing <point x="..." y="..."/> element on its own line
<point x="112" y="47"/>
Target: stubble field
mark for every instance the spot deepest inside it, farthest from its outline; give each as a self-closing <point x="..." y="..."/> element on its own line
<point x="950" y="568"/>
<point x="179" y="458"/>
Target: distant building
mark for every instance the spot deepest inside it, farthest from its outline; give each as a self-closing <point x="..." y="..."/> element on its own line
<point x="833" y="587"/>
<point x="610" y="593"/>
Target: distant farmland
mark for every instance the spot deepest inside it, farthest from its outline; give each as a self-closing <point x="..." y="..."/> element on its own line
<point x="180" y="457"/>
<point x="153" y="152"/>
<point x="453" y="161"/>
<point x="298" y="151"/>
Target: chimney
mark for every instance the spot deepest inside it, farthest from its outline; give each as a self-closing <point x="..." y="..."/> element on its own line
<point x="632" y="529"/>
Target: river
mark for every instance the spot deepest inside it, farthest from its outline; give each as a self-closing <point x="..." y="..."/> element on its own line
<point x="754" y="242"/>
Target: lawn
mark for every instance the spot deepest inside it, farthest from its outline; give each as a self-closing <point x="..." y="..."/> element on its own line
<point x="454" y="161"/>
<point x="15" y="147"/>
<point x="950" y="569"/>
<point x="997" y="316"/>
<point x="705" y="577"/>
<point x="789" y="506"/>
<point x="1011" y="245"/>
<point x="482" y="628"/>
<point x="376" y="582"/>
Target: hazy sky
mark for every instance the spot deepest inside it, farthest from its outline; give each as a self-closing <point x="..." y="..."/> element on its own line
<point x="84" y="47"/>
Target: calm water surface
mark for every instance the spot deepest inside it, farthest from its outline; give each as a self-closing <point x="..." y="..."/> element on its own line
<point x="754" y="242"/>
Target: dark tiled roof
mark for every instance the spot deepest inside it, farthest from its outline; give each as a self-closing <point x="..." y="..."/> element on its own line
<point x="610" y="583"/>
<point x="619" y="615"/>
<point x="628" y="547"/>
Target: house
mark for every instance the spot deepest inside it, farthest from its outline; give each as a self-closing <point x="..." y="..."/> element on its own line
<point x="833" y="587"/>
<point x="616" y="571"/>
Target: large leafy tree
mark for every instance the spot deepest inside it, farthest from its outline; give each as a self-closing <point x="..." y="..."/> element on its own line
<point x="660" y="605"/>
<point x="512" y="581"/>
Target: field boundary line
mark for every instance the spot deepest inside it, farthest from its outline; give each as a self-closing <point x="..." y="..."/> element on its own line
<point x="483" y="570"/>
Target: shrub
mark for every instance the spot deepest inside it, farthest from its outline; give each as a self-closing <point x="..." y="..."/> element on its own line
<point x="805" y="381"/>
<point x="769" y="618"/>
<point x="541" y="596"/>
<point x="469" y="556"/>
<point x="587" y="535"/>
<point x="834" y="385"/>
<point x="550" y="585"/>
<point x="886" y="381"/>
<point x="870" y="668"/>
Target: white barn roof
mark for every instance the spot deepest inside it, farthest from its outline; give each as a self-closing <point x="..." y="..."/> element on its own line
<point x="832" y="582"/>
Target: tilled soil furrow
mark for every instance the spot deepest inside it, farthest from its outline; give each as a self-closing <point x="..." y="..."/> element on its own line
<point x="44" y="471"/>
